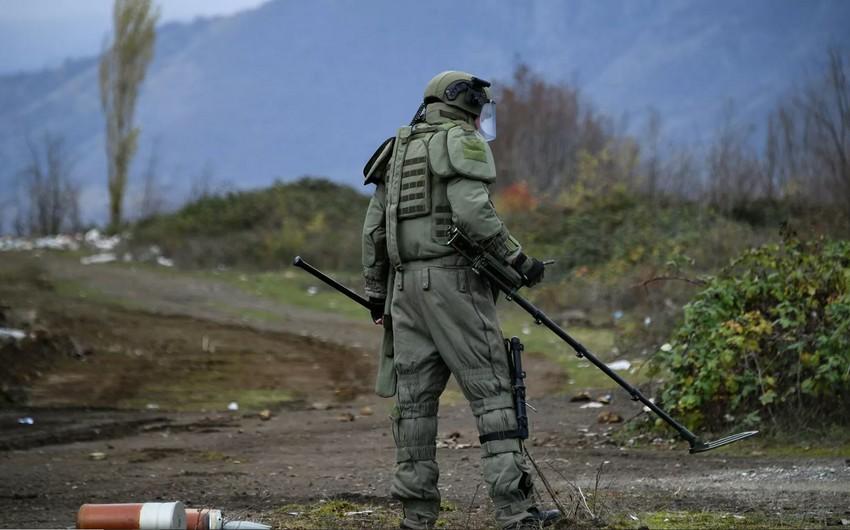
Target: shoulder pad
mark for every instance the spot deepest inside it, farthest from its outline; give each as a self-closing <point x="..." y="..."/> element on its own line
<point x="376" y="167"/>
<point x="469" y="154"/>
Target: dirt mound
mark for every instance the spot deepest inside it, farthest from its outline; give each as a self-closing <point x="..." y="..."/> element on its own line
<point x="25" y="360"/>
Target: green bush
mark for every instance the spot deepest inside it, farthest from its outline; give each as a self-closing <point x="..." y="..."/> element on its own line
<point x="767" y="340"/>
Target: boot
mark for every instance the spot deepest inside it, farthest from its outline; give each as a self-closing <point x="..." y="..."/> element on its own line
<point x="537" y="519"/>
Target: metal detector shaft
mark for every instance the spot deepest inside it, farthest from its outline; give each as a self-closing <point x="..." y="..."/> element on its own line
<point x="541" y="318"/>
<point x="301" y="264"/>
<point x="467" y="248"/>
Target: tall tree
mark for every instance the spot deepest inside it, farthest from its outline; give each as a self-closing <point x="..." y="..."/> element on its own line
<point x="122" y="70"/>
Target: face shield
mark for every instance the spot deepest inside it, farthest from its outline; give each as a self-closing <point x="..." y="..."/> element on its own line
<point x="487" y="121"/>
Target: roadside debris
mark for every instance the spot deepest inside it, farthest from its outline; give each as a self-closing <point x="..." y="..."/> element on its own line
<point x="97" y="455"/>
<point x="26" y="420"/>
<point x="244" y="525"/>
<point x="106" y="248"/>
<point x="265" y="415"/>
<point x="97" y="240"/>
<point x="592" y="405"/>
<point x="59" y="242"/>
<point x="451" y="442"/>
<point x="622" y="364"/>
<point x="581" y="397"/>
<point x="15" y="334"/>
<point x="361" y="512"/>
<point x="233" y="406"/>
<point x="104" y="257"/>
<point x="366" y="411"/>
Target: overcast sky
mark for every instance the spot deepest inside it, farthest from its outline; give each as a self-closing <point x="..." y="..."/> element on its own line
<point x="42" y="33"/>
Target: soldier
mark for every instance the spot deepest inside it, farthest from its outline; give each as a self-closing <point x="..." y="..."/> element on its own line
<point x="439" y="316"/>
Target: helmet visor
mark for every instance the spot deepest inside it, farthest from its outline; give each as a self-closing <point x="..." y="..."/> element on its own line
<point x="487" y="121"/>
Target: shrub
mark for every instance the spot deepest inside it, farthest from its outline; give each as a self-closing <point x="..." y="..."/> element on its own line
<point x="768" y="339"/>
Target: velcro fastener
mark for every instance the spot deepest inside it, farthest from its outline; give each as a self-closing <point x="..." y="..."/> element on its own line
<point x="511" y="445"/>
<point x="418" y="410"/>
<point x="501" y="401"/>
<point x="416" y="452"/>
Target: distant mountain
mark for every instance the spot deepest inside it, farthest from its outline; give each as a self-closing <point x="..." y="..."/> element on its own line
<point x="294" y="88"/>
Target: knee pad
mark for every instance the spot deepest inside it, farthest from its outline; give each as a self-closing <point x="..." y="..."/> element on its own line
<point x="497" y="428"/>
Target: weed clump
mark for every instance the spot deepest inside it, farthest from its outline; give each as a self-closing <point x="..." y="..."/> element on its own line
<point x="767" y="340"/>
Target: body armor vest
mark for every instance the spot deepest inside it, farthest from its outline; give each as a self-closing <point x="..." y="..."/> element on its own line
<point x="418" y="209"/>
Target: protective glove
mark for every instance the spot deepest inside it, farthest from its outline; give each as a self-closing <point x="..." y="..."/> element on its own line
<point x="530" y="268"/>
<point x="376" y="308"/>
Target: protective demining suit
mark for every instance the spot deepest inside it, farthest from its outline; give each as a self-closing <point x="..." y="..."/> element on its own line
<point x="441" y="315"/>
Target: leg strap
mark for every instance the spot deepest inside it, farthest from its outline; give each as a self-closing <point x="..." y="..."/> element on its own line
<point x="501" y="435"/>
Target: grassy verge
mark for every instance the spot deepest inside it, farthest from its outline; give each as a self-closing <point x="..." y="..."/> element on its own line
<point x="295" y="288"/>
<point x="195" y="395"/>
<point x="338" y="513"/>
<point x="286" y="286"/>
<point x="581" y="373"/>
<point x="681" y="520"/>
<point x="77" y="290"/>
<point x="828" y="442"/>
<point x="334" y="513"/>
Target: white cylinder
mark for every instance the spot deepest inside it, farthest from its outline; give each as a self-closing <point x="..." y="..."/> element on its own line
<point x="162" y="516"/>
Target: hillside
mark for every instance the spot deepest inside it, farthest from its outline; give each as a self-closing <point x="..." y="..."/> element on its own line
<point x="263" y="228"/>
<point x="294" y="88"/>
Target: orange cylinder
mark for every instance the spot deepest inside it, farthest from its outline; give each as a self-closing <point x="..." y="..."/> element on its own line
<point x="133" y="516"/>
<point x="205" y="519"/>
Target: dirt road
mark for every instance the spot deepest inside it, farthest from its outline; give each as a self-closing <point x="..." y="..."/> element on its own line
<point x="157" y="358"/>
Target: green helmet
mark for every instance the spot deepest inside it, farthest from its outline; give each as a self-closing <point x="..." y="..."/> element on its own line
<point x="459" y="89"/>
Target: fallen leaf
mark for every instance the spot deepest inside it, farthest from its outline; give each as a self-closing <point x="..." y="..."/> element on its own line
<point x="345" y="416"/>
<point x="609" y="417"/>
<point x="580" y="398"/>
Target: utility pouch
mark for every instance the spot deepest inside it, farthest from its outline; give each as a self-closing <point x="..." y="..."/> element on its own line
<point x="386" y="379"/>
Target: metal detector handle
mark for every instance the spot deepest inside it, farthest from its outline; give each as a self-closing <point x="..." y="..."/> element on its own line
<point x="301" y="264"/>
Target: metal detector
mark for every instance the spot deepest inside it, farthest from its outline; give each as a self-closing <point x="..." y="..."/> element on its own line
<point x="482" y="264"/>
